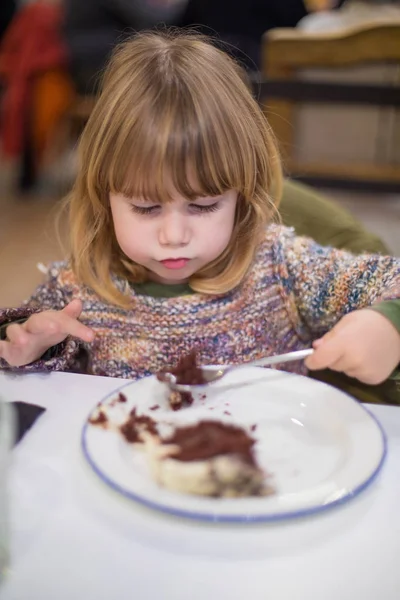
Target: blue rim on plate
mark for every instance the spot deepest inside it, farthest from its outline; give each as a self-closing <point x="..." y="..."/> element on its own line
<point x="236" y="518"/>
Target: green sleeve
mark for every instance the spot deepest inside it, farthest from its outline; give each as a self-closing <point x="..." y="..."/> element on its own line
<point x="391" y="310"/>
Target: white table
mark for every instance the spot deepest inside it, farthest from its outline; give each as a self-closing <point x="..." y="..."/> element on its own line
<point x="75" y="539"/>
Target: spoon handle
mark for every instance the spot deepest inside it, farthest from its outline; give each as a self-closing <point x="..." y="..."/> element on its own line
<point x="281" y="358"/>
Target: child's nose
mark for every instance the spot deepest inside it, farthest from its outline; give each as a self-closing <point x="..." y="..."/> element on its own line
<point x="174" y="230"/>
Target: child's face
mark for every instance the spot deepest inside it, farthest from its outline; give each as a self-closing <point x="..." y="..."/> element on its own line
<point x="177" y="239"/>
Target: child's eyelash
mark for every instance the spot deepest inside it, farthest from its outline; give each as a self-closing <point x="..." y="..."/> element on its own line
<point x="205" y="209"/>
<point x="197" y="208"/>
<point x="143" y="210"/>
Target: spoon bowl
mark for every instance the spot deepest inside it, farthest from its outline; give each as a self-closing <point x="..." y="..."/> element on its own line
<point x="211" y="375"/>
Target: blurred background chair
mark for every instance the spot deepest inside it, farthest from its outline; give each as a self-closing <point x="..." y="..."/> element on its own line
<point x="359" y="67"/>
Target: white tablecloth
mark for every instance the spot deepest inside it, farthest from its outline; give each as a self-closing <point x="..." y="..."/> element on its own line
<point x="75" y="539"/>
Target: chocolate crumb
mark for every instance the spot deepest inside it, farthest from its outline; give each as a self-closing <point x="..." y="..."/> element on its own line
<point x="122" y="397"/>
<point x="135" y="425"/>
<point x="101" y="419"/>
<point x="253" y="427"/>
<point x="155" y="407"/>
<point x="227" y="413"/>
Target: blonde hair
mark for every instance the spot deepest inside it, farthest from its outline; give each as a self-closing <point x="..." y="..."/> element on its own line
<point x="172" y="107"/>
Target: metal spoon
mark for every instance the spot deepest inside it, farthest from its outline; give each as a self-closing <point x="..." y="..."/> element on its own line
<point x="213" y="374"/>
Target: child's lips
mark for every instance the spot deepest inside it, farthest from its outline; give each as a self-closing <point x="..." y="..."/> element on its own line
<point x="175" y="263"/>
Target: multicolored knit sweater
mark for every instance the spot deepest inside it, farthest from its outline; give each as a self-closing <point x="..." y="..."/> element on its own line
<point x="294" y="292"/>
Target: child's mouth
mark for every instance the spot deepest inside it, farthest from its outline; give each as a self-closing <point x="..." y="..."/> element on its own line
<point x="175" y="263"/>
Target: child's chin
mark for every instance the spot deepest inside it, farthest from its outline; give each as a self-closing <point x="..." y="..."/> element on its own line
<point x="171" y="278"/>
<point x="175" y="280"/>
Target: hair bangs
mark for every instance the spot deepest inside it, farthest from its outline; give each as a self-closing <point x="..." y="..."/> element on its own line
<point x="178" y="146"/>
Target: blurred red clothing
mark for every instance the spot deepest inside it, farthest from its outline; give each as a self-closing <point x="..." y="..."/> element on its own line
<point x="32" y="45"/>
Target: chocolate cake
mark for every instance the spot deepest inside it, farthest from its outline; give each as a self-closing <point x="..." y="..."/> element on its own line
<point x="210" y="458"/>
<point x="186" y="372"/>
<point x="136" y="425"/>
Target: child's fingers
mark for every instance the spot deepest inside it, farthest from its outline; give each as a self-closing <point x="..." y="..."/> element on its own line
<point x="17" y="335"/>
<point x="73" y="309"/>
<point x="14" y="355"/>
<point x="51" y="322"/>
<point x="61" y="322"/>
<point x="44" y="323"/>
<point x="28" y="341"/>
<point x="329" y="353"/>
<point x="317" y="343"/>
<point x="77" y="329"/>
<point x="4" y="353"/>
<point x="58" y="325"/>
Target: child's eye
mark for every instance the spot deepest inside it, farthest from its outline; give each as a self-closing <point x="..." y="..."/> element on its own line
<point x="203" y="209"/>
<point x="144" y="210"/>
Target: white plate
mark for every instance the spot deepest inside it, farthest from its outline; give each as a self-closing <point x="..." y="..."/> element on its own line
<point x="319" y="446"/>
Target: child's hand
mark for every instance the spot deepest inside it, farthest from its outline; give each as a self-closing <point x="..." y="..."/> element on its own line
<point x="28" y="342"/>
<point x="364" y="344"/>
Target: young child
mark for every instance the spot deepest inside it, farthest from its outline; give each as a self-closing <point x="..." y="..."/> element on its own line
<point x="173" y="244"/>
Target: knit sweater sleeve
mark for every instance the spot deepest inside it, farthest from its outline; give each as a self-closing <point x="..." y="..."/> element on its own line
<point x="51" y="295"/>
<point x="326" y="283"/>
